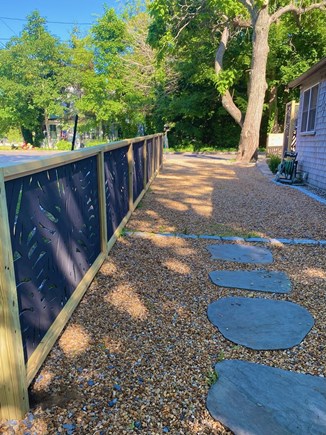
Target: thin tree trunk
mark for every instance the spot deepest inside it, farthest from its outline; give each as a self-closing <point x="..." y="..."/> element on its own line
<point x="27" y="135"/>
<point x="227" y="100"/>
<point x="47" y="128"/>
<point x="273" y="110"/>
<point x="249" y="139"/>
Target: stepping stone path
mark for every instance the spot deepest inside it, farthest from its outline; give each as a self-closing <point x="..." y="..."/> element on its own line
<point x="241" y="253"/>
<point x="261" y="324"/>
<point x="256" y="280"/>
<point x="251" y="398"/>
<point x="256" y="399"/>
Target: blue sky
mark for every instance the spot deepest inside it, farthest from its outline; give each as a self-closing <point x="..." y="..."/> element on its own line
<point x="72" y="11"/>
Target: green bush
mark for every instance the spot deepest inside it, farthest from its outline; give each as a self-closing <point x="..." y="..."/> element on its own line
<point x="273" y="161"/>
<point x="95" y="142"/>
<point x="63" y="145"/>
<point x="14" y="135"/>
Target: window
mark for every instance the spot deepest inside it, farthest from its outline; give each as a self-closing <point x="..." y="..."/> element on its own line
<point x="308" y="117"/>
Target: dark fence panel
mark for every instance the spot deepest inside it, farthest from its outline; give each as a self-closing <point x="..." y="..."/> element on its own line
<point x="54" y="222"/>
<point x="149" y="159"/>
<point x="138" y="172"/>
<point x="116" y="187"/>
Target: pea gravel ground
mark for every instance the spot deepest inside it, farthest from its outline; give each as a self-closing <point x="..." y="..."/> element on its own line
<point x="137" y="354"/>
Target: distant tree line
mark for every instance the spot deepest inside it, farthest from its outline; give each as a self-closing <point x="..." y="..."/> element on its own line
<point x="189" y="64"/>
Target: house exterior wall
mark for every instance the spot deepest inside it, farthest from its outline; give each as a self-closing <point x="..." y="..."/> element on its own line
<point x="311" y="148"/>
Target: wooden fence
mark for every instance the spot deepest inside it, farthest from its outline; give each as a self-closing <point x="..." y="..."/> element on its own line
<point x="59" y="218"/>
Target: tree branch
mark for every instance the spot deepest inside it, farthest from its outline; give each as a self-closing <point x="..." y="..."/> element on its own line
<point x="227" y="100"/>
<point x="248" y="5"/>
<point x="221" y="50"/>
<point x="180" y="30"/>
<point x="241" y="22"/>
<point x="187" y="17"/>
<point x="296" y="10"/>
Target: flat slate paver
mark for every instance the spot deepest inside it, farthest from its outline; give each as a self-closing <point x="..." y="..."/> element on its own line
<point x="256" y="280"/>
<point x="260" y="324"/>
<point x="241" y="253"/>
<point x="255" y="399"/>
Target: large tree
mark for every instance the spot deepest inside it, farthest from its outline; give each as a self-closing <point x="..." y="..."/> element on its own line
<point x="186" y="96"/>
<point x="117" y="86"/>
<point x="173" y="21"/>
<point x="34" y="74"/>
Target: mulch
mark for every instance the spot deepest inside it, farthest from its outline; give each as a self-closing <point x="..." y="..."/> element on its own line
<point x="138" y="353"/>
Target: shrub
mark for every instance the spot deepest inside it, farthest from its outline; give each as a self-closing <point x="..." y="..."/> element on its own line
<point x="14" y="135"/>
<point x="63" y="145"/>
<point x="95" y="142"/>
<point x="273" y="162"/>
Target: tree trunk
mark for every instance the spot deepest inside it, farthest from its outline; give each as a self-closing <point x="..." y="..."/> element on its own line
<point x="27" y="135"/>
<point x="47" y="128"/>
<point x="249" y="139"/>
<point x="227" y="100"/>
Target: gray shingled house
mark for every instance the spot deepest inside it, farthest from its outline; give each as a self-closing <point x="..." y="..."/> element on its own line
<point x="311" y="126"/>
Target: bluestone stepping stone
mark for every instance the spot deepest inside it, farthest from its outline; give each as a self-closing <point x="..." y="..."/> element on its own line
<point x="256" y="280"/>
<point x="260" y="324"/>
<point x="254" y="399"/>
<point x="241" y="253"/>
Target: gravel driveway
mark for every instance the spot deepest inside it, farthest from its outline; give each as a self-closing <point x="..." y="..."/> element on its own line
<point x="137" y="354"/>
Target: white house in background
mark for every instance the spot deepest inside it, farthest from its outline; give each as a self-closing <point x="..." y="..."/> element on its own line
<point x="311" y="127"/>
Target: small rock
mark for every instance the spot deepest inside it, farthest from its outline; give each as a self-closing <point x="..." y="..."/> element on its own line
<point x="166" y="429"/>
<point x="112" y="402"/>
<point x="12" y="422"/>
<point x="69" y="426"/>
<point x="137" y="424"/>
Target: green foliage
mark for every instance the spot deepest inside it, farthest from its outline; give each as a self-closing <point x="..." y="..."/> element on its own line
<point x="295" y="45"/>
<point x="188" y="90"/>
<point x="63" y="145"/>
<point x="123" y="232"/>
<point x="94" y="142"/>
<point x="220" y="356"/>
<point x="187" y="37"/>
<point x="14" y="135"/>
<point x="107" y="76"/>
<point x="211" y="377"/>
<point x="273" y="161"/>
<point x="113" y="78"/>
<point x="118" y="83"/>
<point x="224" y="81"/>
<point x="33" y="73"/>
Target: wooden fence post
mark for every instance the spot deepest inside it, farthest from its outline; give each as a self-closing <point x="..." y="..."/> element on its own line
<point x="158" y="144"/>
<point x="161" y="151"/>
<point x="13" y="384"/>
<point x="145" y="163"/>
<point x="102" y="203"/>
<point x="152" y="158"/>
<point x="130" y="156"/>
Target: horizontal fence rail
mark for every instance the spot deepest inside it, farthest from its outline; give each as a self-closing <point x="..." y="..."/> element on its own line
<point x="59" y="218"/>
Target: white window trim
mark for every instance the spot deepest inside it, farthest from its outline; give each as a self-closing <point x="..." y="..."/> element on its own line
<point x="309" y="132"/>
